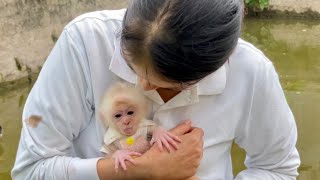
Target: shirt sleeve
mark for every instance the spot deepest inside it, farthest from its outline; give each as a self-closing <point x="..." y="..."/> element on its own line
<point x="269" y="135"/>
<point x="61" y="96"/>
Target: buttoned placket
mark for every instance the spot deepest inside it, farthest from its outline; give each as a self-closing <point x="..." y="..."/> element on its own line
<point x="184" y="98"/>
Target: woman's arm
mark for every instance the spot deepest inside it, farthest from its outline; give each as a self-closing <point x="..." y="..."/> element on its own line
<point x="62" y="97"/>
<point x="269" y="135"/>
<point x="180" y="164"/>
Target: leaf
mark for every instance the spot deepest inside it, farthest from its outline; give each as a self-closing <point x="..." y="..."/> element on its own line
<point x="261" y="4"/>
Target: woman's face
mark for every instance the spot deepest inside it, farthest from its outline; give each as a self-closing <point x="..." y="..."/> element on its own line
<point x="149" y="80"/>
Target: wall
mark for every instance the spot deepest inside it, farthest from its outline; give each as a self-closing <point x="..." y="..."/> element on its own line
<point x="298" y="6"/>
<point x="29" y="29"/>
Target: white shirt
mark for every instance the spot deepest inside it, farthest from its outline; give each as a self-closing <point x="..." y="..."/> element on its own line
<point x="242" y="102"/>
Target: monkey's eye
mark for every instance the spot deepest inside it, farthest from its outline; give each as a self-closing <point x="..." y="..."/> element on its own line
<point x="117" y="115"/>
<point x="130" y="112"/>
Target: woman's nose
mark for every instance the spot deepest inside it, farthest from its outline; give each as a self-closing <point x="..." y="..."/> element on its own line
<point x="146" y="85"/>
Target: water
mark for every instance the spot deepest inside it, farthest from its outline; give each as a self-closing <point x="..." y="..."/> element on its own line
<point x="11" y="104"/>
<point x="294" y="48"/>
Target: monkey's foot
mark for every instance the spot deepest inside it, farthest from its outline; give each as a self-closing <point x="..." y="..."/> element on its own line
<point x="164" y="138"/>
<point x="120" y="156"/>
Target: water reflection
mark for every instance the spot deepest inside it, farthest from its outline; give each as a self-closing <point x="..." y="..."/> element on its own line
<point x="1" y="150"/>
<point x="294" y="49"/>
<point x="11" y="105"/>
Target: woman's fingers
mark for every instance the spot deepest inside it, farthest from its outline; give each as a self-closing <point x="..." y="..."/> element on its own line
<point x="196" y="134"/>
<point x="176" y="138"/>
<point x="183" y="162"/>
<point x="197" y="131"/>
<point x="195" y="139"/>
<point x="135" y="154"/>
<point x="131" y="160"/>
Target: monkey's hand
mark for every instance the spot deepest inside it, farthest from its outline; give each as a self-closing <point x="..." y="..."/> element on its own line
<point x="120" y="156"/>
<point x="164" y="138"/>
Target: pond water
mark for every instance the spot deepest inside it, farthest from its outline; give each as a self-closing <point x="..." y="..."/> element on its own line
<point x="294" y="48"/>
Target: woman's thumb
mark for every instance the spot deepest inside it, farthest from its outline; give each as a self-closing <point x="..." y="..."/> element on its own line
<point x="182" y="128"/>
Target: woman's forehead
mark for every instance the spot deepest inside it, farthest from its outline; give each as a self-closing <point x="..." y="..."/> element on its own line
<point x="142" y="69"/>
<point x="148" y="73"/>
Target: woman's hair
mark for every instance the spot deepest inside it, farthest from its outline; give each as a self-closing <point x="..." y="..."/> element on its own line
<point x="182" y="40"/>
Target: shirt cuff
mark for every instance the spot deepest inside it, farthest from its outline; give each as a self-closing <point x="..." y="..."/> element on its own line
<point x="83" y="169"/>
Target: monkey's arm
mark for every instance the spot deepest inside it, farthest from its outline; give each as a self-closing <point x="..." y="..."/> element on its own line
<point x="109" y="149"/>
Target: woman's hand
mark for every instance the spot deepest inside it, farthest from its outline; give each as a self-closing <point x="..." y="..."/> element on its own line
<point x="157" y="165"/>
<point x="180" y="164"/>
<point x="193" y="178"/>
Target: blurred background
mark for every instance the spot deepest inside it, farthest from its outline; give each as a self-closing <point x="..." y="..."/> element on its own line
<point x="287" y="31"/>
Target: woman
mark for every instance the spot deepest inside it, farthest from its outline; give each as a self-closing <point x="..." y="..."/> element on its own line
<point x="188" y="58"/>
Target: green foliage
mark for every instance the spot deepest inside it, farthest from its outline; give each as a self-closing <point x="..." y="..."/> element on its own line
<point x="257" y="4"/>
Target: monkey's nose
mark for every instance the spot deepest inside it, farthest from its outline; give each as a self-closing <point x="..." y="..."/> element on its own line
<point x="126" y="121"/>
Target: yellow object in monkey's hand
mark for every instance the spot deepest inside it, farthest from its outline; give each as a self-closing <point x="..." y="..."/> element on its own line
<point x="130" y="140"/>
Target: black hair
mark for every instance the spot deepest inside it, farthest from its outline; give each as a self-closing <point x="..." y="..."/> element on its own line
<point x="182" y="40"/>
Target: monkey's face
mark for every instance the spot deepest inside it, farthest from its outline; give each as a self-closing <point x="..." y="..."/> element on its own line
<point x="126" y="119"/>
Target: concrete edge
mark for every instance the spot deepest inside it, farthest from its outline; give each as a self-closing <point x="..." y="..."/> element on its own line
<point x="272" y="13"/>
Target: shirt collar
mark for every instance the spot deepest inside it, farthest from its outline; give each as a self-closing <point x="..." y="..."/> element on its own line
<point x="211" y="85"/>
<point x="118" y="65"/>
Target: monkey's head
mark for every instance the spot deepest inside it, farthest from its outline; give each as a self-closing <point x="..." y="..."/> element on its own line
<point x="123" y="107"/>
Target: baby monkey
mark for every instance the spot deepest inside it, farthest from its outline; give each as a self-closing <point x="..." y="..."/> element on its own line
<point x="123" y="109"/>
